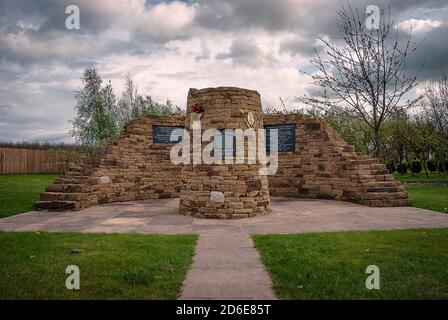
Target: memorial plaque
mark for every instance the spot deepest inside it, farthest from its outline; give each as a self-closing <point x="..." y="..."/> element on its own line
<point x="161" y="134"/>
<point x="286" y="137"/>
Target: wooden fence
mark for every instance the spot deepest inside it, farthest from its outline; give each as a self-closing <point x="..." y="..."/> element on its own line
<point x="19" y="160"/>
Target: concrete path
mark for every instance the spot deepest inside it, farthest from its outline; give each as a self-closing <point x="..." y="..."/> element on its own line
<point x="227" y="267"/>
<point x="288" y="216"/>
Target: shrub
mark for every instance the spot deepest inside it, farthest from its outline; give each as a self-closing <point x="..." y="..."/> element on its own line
<point x="391" y="166"/>
<point x="416" y="166"/>
<point x="440" y="167"/>
<point x="402" y="167"/>
<point x="432" y="165"/>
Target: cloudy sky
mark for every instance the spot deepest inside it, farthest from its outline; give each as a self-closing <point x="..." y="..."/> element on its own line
<point x="170" y="46"/>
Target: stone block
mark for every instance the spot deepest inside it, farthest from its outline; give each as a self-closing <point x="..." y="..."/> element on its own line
<point x="216" y="196"/>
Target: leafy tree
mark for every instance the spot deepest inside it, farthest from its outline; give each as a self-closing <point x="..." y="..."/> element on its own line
<point x="352" y="130"/>
<point x="128" y="102"/>
<point x="391" y="166"/>
<point x="402" y="167"/>
<point x="442" y="165"/>
<point x="96" y="112"/>
<point x="132" y="105"/>
<point x="436" y="107"/>
<point x="149" y="107"/>
<point x="432" y="165"/>
<point x="416" y="166"/>
<point x="420" y="138"/>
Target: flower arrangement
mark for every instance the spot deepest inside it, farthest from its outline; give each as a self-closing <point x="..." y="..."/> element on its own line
<point x="199" y="110"/>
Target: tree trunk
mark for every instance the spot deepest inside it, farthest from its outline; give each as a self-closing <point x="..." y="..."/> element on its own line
<point x="377" y="144"/>
<point x="444" y="169"/>
<point x="424" y="167"/>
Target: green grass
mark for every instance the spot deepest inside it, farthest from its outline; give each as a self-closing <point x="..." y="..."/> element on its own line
<point x="433" y="198"/>
<point x="413" y="264"/>
<point x="114" y="266"/>
<point x="426" y="196"/>
<point x="421" y="177"/>
<point x="18" y="192"/>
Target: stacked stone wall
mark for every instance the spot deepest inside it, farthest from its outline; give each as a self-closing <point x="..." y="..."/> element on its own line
<point x="324" y="166"/>
<point x="131" y="167"/>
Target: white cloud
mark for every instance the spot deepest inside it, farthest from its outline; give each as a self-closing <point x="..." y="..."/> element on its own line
<point x="170" y="73"/>
<point x="166" y="21"/>
<point x="24" y="47"/>
<point x="419" y="25"/>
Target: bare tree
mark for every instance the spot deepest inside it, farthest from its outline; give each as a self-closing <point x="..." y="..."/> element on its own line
<point x="363" y="74"/>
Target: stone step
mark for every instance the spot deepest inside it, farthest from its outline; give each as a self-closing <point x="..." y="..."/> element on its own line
<point x="378" y="166"/>
<point x="384" y="195"/>
<point x="386" y="203"/>
<point x="80" y="169"/>
<point x="76" y="169"/>
<point x="55" y="196"/>
<point x="380" y="189"/>
<point x="55" y="205"/>
<point x="384" y="177"/>
<point x="357" y="161"/>
<point x="371" y="161"/>
<point x="84" y="173"/>
<point x="75" y="180"/>
<point x="382" y="184"/>
<point x="66" y="188"/>
<point x="365" y="157"/>
<point x="379" y="172"/>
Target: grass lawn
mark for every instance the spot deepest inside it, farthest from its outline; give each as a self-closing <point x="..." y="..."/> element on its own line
<point x="413" y="264"/>
<point x="429" y="197"/>
<point x="112" y="266"/>
<point x="18" y="192"/>
<point x="421" y="177"/>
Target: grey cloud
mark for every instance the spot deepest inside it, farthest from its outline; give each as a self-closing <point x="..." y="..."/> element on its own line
<point x="5" y="109"/>
<point x="298" y="45"/>
<point x="205" y="52"/>
<point x="36" y="107"/>
<point x="246" y="52"/>
<point x="237" y="15"/>
<point x="95" y="15"/>
<point x="432" y="53"/>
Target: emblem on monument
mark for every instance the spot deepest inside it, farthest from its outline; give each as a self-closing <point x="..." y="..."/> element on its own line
<point x="250" y="119"/>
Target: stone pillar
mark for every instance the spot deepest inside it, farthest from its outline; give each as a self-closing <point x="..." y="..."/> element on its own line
<point x="224" y="191"/>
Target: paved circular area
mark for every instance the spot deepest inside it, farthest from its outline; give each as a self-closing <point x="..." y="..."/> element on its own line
<point x="288" y="216"/>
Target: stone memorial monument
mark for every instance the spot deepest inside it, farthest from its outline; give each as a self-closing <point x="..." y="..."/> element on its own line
<point x="313" y="162"/>
<point x="226" y="190"/>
